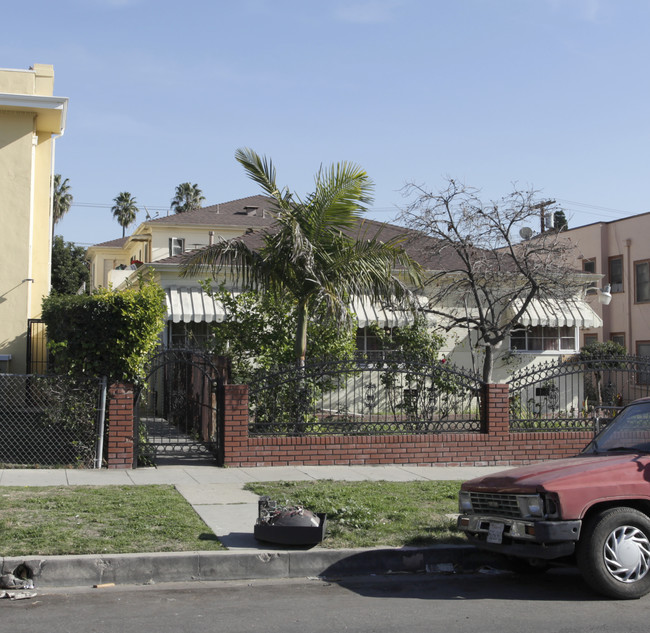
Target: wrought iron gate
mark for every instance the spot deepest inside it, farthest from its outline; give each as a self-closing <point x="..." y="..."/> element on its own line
<point x="178" y="408"/>
<point x="38" y="358"/>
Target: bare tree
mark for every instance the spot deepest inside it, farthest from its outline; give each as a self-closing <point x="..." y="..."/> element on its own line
<point x="487" y="270"/>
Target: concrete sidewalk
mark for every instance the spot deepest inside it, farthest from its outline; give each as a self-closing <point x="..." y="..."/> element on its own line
<point x="217" y="495"/>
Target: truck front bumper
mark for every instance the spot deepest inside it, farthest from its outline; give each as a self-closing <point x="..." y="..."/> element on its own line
<point x="514" y="537"/>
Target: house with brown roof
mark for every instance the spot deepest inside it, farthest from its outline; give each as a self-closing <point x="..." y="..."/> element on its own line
<point x="162" y="245"/>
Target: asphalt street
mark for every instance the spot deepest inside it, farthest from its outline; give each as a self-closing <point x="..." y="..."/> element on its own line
<point x="488" y="602"/>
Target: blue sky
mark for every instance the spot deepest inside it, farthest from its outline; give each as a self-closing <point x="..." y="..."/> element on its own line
<point x="550" y="94"/>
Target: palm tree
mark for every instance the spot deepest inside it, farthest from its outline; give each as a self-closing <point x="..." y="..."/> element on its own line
<point x="187" y="198"/>
<point x="309" y="253"/>
<point x="61" y="198"/>
<point x="124" y="210"/>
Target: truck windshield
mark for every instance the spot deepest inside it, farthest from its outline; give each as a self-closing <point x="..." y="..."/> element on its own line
<point x="629" y="431"/>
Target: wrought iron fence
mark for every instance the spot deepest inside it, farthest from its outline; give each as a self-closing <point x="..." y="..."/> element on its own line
<point x="361" y="397"/>
<point x="576" y="393"/>
<point x="178" y="405"/>
<point x="48" y="420"/>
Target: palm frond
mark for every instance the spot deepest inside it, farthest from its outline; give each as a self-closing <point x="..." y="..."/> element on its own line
<point x="233" y="258"/>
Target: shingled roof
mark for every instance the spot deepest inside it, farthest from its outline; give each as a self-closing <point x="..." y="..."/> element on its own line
<point x="420" y="247"/>
<point x="256" y="213"/>
<point x="253" y="211"/>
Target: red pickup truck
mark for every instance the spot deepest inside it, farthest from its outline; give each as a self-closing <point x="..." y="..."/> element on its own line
<point x="592" y="509"/>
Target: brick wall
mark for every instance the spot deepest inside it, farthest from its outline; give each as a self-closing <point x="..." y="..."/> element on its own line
<point x="119" y="420"/>
<point x="495" y="447"/>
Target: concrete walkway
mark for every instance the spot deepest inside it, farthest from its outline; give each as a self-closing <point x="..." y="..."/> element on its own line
<point x="217" y="494"/>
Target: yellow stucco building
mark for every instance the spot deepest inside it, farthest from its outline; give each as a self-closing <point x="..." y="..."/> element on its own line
<point x="31" y="118"/>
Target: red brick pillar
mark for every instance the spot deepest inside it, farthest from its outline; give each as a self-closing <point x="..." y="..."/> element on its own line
<point x="119" y="414"/>
<point x="235" y="433"/>
<point x="496" y="403"/>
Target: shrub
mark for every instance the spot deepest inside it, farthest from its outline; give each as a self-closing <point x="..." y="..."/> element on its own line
<point x="108" y="333"/>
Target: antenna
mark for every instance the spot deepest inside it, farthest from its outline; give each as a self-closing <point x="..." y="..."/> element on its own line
<point x="526" y="232"/>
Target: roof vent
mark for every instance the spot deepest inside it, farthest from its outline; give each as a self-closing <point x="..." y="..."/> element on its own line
<point x="251" y="210"/>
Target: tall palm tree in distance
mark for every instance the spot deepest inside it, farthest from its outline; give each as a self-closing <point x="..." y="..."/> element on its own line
<point x="310" y="253"/>
<point x="187" y="198"/>
<point x="124" y="210"/>
<point x="61" y="198"/>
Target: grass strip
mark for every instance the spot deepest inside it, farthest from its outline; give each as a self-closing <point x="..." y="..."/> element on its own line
<point x="375" y="513"/>
<point x="56" y="520"/>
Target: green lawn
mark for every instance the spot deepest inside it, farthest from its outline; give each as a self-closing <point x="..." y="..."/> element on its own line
<point x="57" y="520"/>
<point x="128" y="519"/>
<point x="372" y="514"/>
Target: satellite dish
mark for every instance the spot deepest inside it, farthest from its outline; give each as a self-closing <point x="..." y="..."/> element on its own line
<point x="526" y="232"/>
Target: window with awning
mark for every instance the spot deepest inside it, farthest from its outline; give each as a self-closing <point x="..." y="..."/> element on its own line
<point x="558" y="313"/>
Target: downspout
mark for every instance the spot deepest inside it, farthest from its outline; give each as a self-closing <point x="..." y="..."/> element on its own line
<point x="30" y="242"/>
<point x="630" y="292"/>
<point x="101" y="424"/>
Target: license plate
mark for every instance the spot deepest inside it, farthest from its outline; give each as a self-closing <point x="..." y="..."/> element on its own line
<point x="495" y="533"/>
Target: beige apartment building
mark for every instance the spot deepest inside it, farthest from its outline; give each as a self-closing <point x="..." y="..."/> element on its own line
<point x="31" y="118"/>
<point x="620" y="251"/>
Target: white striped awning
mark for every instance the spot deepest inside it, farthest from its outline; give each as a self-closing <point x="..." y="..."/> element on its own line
<point x="369" y="312"/>
<point x="193" y="304"/>
<point x="553" y="313"/>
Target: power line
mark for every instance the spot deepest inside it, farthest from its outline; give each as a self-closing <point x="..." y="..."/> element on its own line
<point x="99" y="205"/>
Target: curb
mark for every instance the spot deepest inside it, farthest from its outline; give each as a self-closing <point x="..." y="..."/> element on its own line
<point x="143" y="569"/>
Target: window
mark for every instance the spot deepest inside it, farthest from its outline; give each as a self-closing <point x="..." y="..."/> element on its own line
<point x="618" y="337"/>
<point x="589" y="265"/>
<point x="643" y="349"/>
<point x="176" y="246"/>
<point x="368" y="344"/>
<point x="589" y="339"/>
<point x="615" y="273"/>
<point x="543" y="339"/>
<point x="190" y="335"/>
<point x="642" y="281"/>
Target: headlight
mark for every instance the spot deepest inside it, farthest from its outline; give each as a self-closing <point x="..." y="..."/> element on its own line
<point x="531" y="505"/>
<point x="464" y="501"/>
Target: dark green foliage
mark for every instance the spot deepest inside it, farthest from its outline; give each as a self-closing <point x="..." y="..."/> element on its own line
<point x="601" y="350"/>
<point x="260" y="332"/>
<point x="259" y="335"/>
<point x="418" y="386"/>
<point x="416" y="341"/>
<point x="105" y="334"/>
<point x="69" y="267"/>
<point x="61" y="198"/>
<point x="601" y="357"/>
<point x="560" y="223"/>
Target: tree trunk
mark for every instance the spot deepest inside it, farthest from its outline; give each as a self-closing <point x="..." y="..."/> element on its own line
<point x="300" y="348"/>
<point x="488" y="364"/>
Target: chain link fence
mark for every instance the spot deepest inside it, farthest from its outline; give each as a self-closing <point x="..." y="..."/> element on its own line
<point x="48" y="421"/>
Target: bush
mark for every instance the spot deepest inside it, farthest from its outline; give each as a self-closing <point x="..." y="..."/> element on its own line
<point x="108" y="333"/>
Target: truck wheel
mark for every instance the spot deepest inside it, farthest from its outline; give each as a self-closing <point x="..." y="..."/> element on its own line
<point x="614" y="553"/>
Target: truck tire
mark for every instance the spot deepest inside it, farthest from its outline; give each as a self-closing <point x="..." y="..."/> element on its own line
<point x="614" y="553"/>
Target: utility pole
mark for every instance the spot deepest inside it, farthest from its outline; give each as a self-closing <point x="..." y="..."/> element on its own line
<point x="542" y="214"/>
